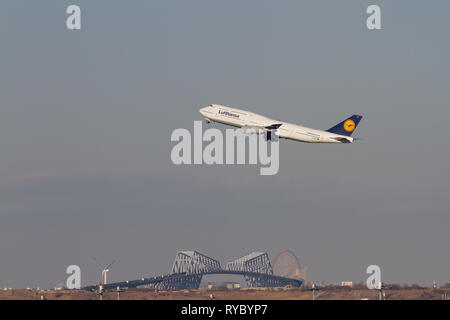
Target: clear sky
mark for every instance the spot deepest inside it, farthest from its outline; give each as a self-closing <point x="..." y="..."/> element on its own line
<point x="86" y="118"/>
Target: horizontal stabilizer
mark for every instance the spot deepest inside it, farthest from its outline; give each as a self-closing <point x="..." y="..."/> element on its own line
<point x="343" y="140"/>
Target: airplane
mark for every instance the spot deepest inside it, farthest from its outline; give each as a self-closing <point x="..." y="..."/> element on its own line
<point x="252" y="122"/>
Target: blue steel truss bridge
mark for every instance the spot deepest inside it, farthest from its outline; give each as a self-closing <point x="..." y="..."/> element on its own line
<point x="189" y="268"/>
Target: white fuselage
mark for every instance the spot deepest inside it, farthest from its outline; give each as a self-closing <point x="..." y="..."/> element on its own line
<point x="245" y="119"/>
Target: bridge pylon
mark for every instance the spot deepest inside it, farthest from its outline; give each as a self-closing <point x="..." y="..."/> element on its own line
<point x="256" y="262"/>
<point x="188" y="269"/>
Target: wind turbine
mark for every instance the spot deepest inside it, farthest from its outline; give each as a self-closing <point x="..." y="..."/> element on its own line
<point x="105" y="270"/>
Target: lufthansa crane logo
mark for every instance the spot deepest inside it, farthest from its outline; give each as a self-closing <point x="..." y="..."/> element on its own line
<point x="349" y="125"/>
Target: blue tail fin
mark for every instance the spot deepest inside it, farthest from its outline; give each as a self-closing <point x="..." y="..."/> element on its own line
<point x="347" y="126"/>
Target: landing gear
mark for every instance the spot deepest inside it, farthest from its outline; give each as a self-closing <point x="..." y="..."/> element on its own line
<point x="207" y="121"/>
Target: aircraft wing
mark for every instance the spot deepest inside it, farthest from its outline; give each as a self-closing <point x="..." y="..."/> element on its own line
<point x="274" y="126"/>
<point x="262" y="129"/>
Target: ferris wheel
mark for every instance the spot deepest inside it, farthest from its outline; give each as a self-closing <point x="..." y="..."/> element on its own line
<point x="287" y="265"/>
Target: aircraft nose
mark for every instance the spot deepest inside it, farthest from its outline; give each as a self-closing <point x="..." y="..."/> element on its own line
<point x="202" y="110"/>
